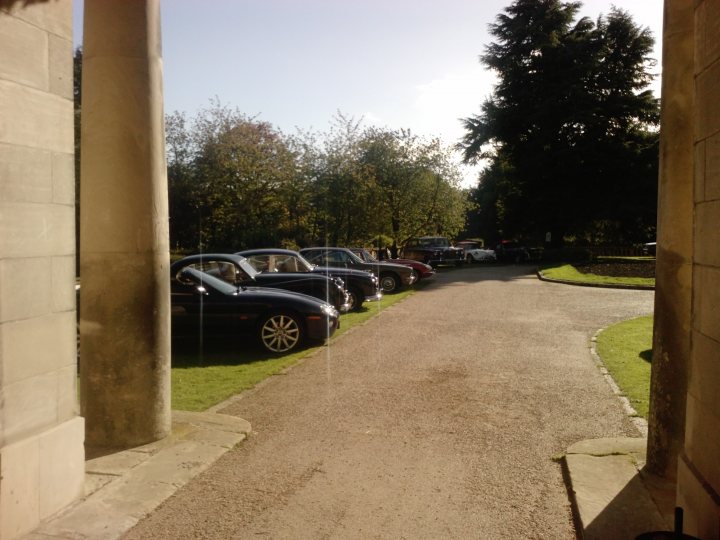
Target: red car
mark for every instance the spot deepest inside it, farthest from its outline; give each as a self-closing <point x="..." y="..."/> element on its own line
<point x="419" y="269"/>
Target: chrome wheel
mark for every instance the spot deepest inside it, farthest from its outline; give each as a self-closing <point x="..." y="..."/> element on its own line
<point x="354" y="299"/>
<point x="280" y="333"/>
<point x="388" y="283"/>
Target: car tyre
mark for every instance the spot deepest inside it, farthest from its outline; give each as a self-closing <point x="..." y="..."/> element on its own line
<point x="281" y="332"/>
<point x="355" y="299"/>
<point x="388" y="283"/>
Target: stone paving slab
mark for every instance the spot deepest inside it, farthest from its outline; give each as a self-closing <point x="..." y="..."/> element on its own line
<point x="123" y="487"/>
<point x="610" y="497"/>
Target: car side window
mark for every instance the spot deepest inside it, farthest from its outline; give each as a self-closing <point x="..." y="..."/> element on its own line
<point x="259" y="262"/>
<point x="286" y="264"/>
<point x="338" y="257"/>
<point x="317" y="258"/>
<point x="224" y="270"/>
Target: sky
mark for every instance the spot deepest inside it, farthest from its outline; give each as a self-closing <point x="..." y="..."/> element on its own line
<point x="410" y="64"/>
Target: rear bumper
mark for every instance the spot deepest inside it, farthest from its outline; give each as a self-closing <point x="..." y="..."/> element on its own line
<point x="374" y="297"/>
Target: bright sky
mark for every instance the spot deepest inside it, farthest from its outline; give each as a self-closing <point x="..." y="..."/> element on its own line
<point x="295" y="63"/>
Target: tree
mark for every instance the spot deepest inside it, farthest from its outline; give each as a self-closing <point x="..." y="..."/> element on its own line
<point x="344" y="194"/>
<point x="239" y="183"/>
<point x="569" y="130"/>
<point x="417" y="183"/>
<point x="232" y="181"/>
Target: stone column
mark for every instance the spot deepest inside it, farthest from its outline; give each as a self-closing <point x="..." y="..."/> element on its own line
<point x="125" y="300"/>
<point x="699" y="466"/>
<point x="673" y="292"/>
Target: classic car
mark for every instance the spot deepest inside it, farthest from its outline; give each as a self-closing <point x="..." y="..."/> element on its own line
<point x="237" y="271"/>
<point x="432" y="250"/>
<point x="421" y="270"/>
<point x="512" y="251"/>
<point x="392" y="276"/>
<point x="281" y="320"/>
<point x="360" y="285"/>
<point x="475" y="253"/>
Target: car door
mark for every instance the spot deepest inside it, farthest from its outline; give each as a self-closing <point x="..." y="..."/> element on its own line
<point x="199" y="308"/>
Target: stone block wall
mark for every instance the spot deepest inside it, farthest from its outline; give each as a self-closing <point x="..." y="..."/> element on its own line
<point x="41" y="434"/>
<point x="699" y="466"/>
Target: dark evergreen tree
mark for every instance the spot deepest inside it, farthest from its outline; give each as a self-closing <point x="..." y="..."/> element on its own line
<point x="569" y="128"/>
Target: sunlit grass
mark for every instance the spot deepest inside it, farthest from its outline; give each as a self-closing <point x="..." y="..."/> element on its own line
<point x="626" y="351"/>
<point x="567" y="272"/>
<point x="203" y="377"/>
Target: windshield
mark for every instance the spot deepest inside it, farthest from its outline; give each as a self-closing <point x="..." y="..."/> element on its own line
<point x="202" y="279"/>
<point x="354" y="257"/>
<point x="430" y="242"/>
<point x="365" y="255"/>
<point x="439" y="242"/>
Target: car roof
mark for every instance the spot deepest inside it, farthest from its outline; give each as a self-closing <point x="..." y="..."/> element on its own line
<point x="268" y="251"/>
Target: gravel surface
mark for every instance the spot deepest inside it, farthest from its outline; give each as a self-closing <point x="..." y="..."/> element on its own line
<point x="438" y="419"/>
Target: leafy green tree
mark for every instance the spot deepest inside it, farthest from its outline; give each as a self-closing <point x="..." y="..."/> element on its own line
<point x="239" y="183"/>
<point x="184" y="195"/>
<point x="344" y="192"/>
<point x="569" y="129"/>
<point x="417" y="183"/>
<point x="231" y="181"/>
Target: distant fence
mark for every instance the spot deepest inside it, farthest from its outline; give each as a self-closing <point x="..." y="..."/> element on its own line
<point x="586" y="253"/>
<point x="616" y="251"/>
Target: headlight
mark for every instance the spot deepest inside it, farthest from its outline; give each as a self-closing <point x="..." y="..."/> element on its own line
<point x="328" y="310"/>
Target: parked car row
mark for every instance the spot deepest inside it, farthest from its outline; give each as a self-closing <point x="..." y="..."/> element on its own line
<point x="360" y="285"/>
<point x="286" y="299"/>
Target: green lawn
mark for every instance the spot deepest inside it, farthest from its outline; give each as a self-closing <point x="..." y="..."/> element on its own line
<point x="567" y="272"/>
<point x="204" y="376"/>
<point x="626" y="351"/>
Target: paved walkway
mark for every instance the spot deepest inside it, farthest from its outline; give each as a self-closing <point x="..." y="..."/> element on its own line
<point x="438" y="419"/>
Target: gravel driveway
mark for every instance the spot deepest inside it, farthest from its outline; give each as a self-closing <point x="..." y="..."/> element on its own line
<point x="437" y="419"/>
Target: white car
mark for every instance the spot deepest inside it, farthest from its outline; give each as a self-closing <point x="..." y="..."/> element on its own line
<point x="474" y="253"/>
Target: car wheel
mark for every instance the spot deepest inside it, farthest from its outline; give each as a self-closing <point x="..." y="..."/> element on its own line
<point x="355" y="299"/>
<point x="281" y="332"/>
<point x="388" y="283"/>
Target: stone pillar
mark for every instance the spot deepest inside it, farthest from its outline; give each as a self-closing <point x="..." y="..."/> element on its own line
<point x="42" y="465"/>
<point x="673" y="289"/>
<point x="699" y="466"/>
<point x="124" y="256"/>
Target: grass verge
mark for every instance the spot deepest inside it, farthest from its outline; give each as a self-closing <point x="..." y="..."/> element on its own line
<point x="205" y="374"/>
<point x="626" y="351"/>
<point x="567" y="272"/>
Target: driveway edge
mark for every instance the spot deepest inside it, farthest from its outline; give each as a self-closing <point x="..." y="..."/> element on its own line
<point x="610" y="495"/>
<point x="541" y="277"/>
